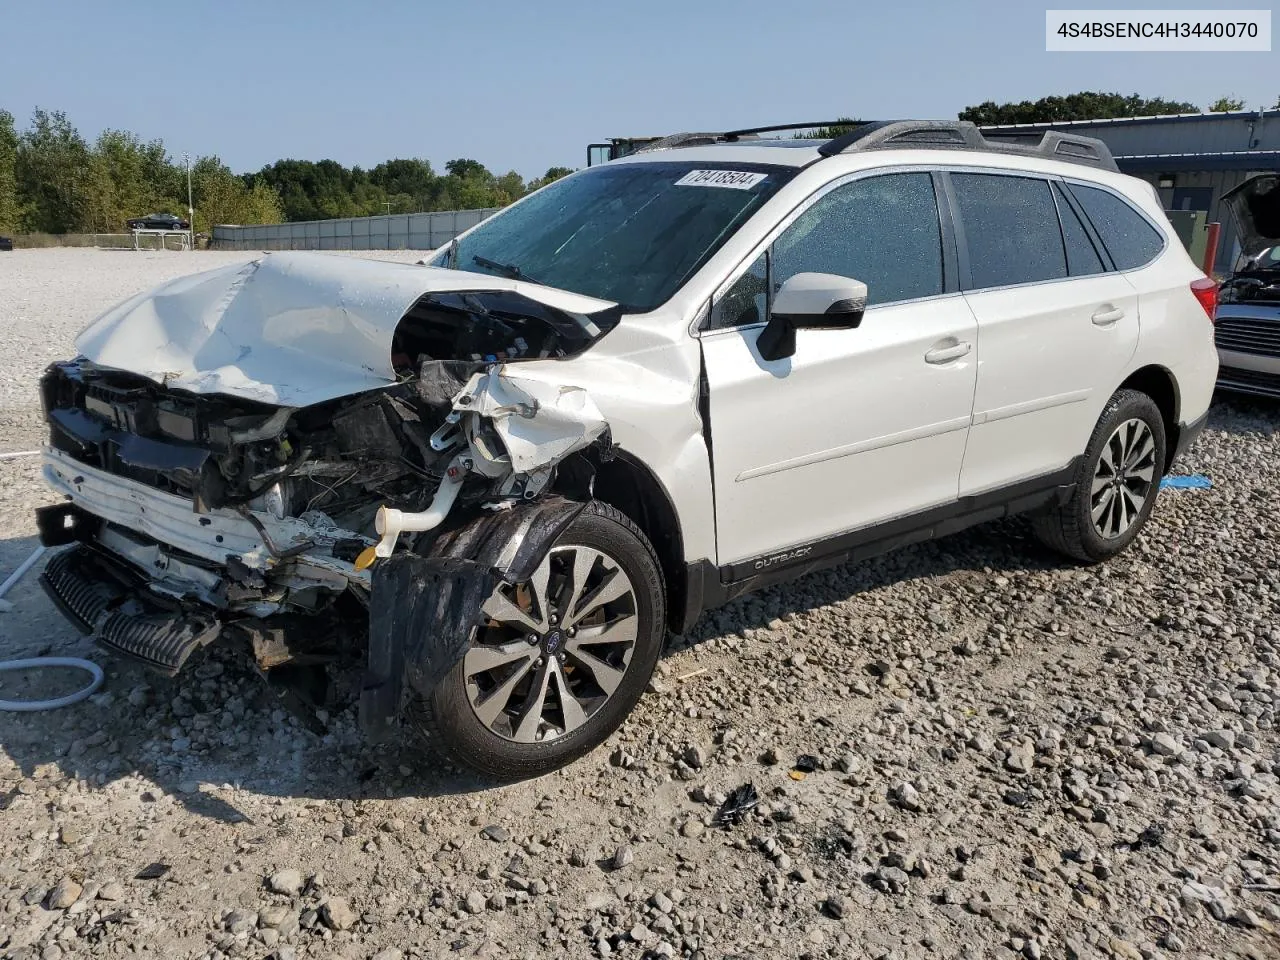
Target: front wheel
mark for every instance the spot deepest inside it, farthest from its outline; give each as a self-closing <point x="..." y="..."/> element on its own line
<point x="1116" y="484"/>
<point x="559" y="661"/>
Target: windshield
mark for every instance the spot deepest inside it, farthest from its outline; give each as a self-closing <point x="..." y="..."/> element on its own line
<point x="631" y="233"/>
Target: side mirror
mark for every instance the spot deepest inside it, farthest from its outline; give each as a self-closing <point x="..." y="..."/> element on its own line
<point x="813" y="300"/>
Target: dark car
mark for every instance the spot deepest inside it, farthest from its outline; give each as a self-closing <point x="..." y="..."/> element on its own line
<point x="1247" y="322"/>
<point x="158" y="221"/>
<point x="6" y="243"/>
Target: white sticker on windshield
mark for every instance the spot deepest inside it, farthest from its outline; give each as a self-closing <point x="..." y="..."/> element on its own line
<point x="733" y="179"/>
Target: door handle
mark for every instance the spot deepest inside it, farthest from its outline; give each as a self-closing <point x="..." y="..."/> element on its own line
<point x="948" y="353"/>
<point x="1106" y="315"/>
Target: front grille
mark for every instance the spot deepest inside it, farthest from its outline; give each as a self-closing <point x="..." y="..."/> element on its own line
<point x="1249" y="381"/>
<point x="1248" y="335"/>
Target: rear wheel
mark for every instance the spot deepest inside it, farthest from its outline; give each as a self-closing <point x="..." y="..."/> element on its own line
<point x="559" y="661"/>
<point x="1116" y="484"/>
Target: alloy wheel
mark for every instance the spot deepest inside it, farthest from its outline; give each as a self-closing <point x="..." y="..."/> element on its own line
<point x="1123" y="479"/>
<point x="552" y="651"/>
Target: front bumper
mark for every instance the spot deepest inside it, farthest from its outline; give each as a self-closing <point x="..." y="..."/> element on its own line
<point x="150" y="578"/>
<point x="214" y="536"/>
<point x="1250" y="373"/>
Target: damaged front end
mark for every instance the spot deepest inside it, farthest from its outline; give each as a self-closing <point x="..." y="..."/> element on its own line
<point x="206" y="501"/>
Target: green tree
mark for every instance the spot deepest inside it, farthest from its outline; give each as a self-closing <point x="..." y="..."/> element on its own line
<point x="551" y="176"/>
<point x="1088" y="105"/>
<point x="1224" y="104"/>
<point x="8" y="173"/>
<point x="130" y="178"/>
<point x="840" y="128"/>
<point x="222" y="197"/>
<point x="464" y="168"/>
<point x="53" y="174"/>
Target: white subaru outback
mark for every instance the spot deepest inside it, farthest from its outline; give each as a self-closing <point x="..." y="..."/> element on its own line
<point x="501" y="477"/>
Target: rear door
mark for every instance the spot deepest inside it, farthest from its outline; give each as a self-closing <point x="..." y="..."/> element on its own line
<point x="859" y="425"/>
<point x="1056" y="326"/>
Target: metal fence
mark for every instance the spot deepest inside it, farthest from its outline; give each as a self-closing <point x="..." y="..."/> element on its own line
<point x="401" y="231"/>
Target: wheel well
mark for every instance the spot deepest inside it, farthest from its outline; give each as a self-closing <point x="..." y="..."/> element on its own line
<point x="1158" y="384"/>
<point x="627" y="485"/>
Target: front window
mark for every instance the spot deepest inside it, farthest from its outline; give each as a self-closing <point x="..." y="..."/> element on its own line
<point x="882" y="230"/>
<point x="631" y="233"/>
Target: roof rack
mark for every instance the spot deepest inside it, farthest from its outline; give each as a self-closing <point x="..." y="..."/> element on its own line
<point x="732" y="136"/>
<point x="963" y="135"/>
<point x="930" y="134"/>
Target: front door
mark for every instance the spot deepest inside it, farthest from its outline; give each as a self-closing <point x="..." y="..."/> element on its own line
<point x="860" y="425"/>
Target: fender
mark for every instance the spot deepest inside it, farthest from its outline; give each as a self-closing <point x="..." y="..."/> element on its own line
<point x="423" y="607"/>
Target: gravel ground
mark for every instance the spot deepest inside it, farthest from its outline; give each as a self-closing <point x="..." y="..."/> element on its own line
<point x="1013" y="757"/>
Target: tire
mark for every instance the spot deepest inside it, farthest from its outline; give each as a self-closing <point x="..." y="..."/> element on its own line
<point x="499" y="747"/>
<point x="1071" y="528"/>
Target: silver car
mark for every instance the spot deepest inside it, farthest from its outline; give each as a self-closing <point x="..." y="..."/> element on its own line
<point x="1247" y="322"/>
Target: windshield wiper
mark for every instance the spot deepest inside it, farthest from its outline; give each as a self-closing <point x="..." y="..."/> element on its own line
<point x="510" y="270"/>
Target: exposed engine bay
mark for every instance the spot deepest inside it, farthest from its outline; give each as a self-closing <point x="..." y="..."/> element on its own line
<point x="1261" y="286"/>
<point x="200" y="512"/>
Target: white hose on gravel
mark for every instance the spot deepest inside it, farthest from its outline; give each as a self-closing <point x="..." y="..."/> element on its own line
<point x="41" y="663"/>
<point x="23" y="567"/>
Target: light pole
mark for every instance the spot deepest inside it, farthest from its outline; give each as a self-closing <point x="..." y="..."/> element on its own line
<point x="191" y="210"/>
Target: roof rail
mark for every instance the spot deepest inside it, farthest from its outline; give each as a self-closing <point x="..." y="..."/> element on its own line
<point x="731" y="136"/>
<point x="963" y="135"/>
<point x="930" y="134"/>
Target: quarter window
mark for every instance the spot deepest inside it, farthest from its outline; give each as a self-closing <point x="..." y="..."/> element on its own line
<point x="1082" y="257"/>
<point x="1010" y="229"/>
<point x="1126" y="234"/>
<point x="747" y="301"/>
<point x="882" y="230"/>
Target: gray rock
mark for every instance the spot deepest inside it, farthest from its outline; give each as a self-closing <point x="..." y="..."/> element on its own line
<point x="239" y="922"/>
<point x="496" y="832"/>
<point x="1214" y="899"/>
<point x="1222" y="739"/>
<point x="474" y="902"/>
<point x="337" y="914"/>
<point x="64" y="894"/>
<point x="693" y="827"/>
<point x="274" y="916"/>
<point x="1165" y="745"/>
<point x="906" y="796"/>
<point x="1020" y="759"/>
<point x="892" y="879"/>
<point x="624" y="856"/>
<point x="287" y="882"/>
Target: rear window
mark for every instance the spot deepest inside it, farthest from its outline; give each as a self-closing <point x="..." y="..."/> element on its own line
<point x="1126" y="234"/>
<point x="1010" y="229"/>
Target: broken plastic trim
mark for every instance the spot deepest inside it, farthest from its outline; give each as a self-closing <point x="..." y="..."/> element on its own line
<point x="424" y="609"/>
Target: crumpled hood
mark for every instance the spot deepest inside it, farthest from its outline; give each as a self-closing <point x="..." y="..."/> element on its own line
<point x="291" y="329"/>
<point x="1255" y="206"/>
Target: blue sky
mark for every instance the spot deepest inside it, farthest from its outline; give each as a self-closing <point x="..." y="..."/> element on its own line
<point x="526" y="85"/>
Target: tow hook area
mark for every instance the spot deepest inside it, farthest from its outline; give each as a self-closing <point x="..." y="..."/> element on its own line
<point x="423" y="609"/>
